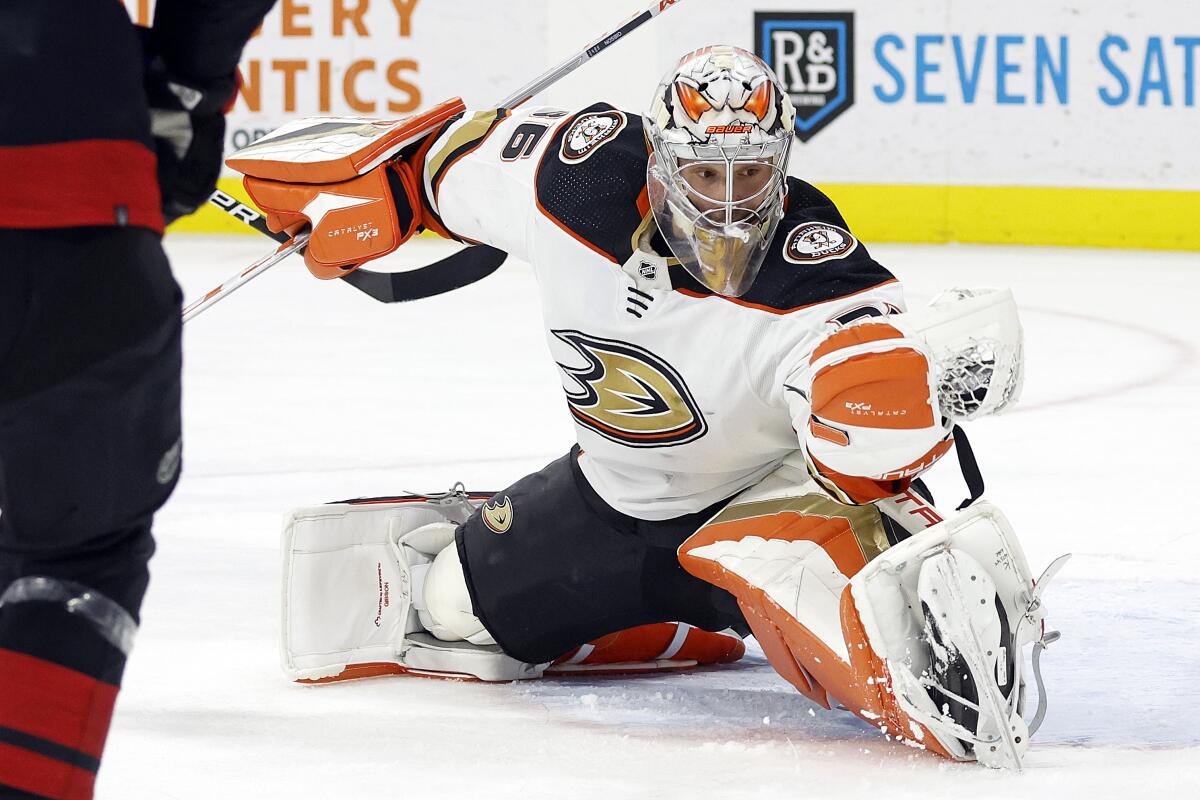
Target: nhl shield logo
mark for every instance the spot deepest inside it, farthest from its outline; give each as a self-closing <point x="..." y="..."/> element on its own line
<point x="813" y="55"/>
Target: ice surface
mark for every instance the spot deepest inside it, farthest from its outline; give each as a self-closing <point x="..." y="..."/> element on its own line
<point x="299" y="392"/>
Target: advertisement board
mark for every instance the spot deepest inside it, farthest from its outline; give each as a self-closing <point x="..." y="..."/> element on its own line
<point x="1035" y="121"/>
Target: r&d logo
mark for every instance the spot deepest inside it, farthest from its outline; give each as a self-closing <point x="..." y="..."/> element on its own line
<point x="813" y="55"/>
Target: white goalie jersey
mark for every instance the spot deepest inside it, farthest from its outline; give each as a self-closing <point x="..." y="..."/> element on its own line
<point x="680" y="396"/>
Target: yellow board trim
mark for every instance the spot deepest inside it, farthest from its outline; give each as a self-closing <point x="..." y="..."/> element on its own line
<point x="211" y="219"/>
<point x="1158" y="220"/>
<point x="1133" y="218"/>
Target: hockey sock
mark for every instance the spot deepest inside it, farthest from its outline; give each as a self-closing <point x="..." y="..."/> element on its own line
<point x="62" y="652"/>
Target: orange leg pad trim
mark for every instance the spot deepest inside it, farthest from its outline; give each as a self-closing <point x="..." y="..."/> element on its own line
<point x="663" y="641"/>
<point x="873" y="682"/>
<point x="354" y="672"/>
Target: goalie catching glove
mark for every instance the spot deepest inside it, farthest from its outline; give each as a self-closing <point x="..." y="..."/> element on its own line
<point x="884" y="395"/>
<point x="347" y="178"/>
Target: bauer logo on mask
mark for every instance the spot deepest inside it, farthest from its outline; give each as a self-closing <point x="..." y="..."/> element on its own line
<point x="627" y="394"/>
<point x="813" y="56"/>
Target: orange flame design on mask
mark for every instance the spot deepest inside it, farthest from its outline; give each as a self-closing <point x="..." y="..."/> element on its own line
<point x="693" y="102"/>
<point x="760" y="101"/>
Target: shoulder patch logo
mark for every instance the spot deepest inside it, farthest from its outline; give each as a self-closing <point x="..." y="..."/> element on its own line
<point x="629" y="395"/>
<point x="498" y="517"/>
<point x="814" y="242"/>
<point x="588" y="133"/>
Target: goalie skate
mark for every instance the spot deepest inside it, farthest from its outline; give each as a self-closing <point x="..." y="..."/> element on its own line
<point x="972" y="676"/>
<point x="950" y="611"/>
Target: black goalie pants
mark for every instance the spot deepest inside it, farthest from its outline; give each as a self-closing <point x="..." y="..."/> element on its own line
<point x="569" y="568"/>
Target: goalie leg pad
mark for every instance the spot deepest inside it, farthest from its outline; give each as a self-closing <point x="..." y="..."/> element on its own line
<point x="348" y="594"/>
<point x="784" y="550"/>
<point x="885" y="636"/>
<point x="375" y="587"/>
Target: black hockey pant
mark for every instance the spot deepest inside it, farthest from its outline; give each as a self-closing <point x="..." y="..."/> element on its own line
<point x="89" y="450"/>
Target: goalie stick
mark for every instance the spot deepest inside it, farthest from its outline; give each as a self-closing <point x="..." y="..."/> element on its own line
<point x="454" y="271"/>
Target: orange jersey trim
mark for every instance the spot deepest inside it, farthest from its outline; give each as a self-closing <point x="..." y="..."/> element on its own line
<point x="781" y="311"/>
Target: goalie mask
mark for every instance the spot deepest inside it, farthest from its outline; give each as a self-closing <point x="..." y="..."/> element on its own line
<point x="721" y="127"/>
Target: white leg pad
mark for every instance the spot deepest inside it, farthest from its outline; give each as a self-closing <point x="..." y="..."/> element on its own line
<point x="348" y="591"/>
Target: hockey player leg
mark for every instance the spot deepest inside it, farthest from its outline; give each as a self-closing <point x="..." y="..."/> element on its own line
<point x="89" y="448"/>
<point x="444" y="607"/>
<point x="63" y="648"/>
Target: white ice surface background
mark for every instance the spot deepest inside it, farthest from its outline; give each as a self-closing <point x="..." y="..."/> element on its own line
<point x="299" y="392"/>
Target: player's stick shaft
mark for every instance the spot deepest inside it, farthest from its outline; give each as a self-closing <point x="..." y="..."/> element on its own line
<point x="517" y="98"/>
<point x="251" y="272"/>
<point x="572" y="63"/>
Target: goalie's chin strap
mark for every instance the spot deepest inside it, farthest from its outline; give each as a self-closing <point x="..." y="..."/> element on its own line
<point x="969" y="467"/>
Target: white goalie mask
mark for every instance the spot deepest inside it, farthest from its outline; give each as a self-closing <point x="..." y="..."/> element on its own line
<point x="721" y="126"/>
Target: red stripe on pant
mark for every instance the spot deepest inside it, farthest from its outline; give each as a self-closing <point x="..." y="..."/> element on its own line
<point x="60" y="705"/>
<point x="40" y="775"/>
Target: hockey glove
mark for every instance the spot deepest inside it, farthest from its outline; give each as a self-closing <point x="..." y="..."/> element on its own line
<point x="349" y="179"/>
<point x="353" y="221"/>
<point x="876" y="421"/>
<point x="187" y="121"/>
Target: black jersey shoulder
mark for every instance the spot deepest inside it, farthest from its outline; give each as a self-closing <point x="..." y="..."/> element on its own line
<point x="592" y="179"/>
<point x="814" y="257"/>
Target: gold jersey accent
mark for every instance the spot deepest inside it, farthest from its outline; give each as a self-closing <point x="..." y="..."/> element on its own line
<point x="498" y="517"/>
<point x="865" y="520"/>
<point x="470" y="133"/>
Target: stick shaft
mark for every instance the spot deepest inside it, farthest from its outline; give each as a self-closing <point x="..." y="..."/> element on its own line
<point x="574" y="62"/>
<point x="251" y="272"/>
